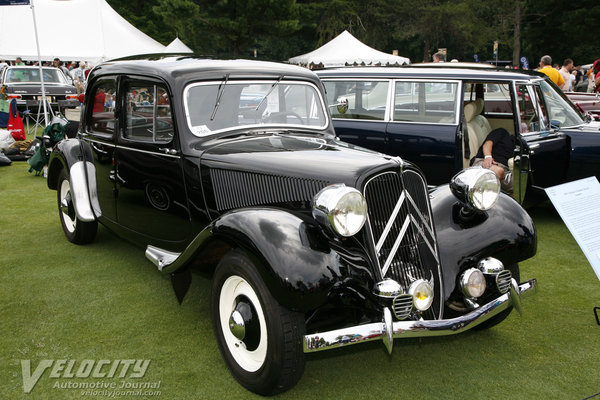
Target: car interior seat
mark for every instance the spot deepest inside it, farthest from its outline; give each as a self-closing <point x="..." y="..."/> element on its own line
<point x="480" y="119"/>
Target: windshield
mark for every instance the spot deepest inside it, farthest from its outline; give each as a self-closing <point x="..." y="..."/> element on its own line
<point x="559" y="108"/>
<point x="16" y="75"/>
<point x="219" y="106"/>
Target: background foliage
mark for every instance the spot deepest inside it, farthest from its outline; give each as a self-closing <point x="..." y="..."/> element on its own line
<point x="280" y="29"/>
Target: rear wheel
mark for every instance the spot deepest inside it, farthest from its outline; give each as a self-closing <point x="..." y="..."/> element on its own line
<point x="261" y="341"/>
<point x="76" y="230"/>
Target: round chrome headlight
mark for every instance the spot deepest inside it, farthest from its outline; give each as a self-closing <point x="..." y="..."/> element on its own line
<point x="476" y="187"/>
<point x="344" y="208"/>
<point x="422" y="294"/>
<point x="472" y="282"/>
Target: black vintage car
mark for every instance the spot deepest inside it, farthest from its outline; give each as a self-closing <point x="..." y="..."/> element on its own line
<point x="23" y="83"/>
<point x="438" y="116"/>
<point x="233" y="168"/>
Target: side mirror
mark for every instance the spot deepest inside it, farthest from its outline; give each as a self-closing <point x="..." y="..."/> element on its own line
<point x="555" y="124"/>
<point x="341" y="105"/>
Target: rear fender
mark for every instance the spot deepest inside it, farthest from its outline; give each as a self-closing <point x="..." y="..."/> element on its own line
<point x="75" y="156"/>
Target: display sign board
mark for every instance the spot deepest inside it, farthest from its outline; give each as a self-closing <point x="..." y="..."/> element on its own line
<point x="14" y="2"/>
<point x="578" y="204"/>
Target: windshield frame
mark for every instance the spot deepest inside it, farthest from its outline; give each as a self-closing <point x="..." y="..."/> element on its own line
<point x="263" y="126"/>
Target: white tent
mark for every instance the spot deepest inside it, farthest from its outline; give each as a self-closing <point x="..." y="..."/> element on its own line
<point x="88" y="30"/>
<point x="177" y="46"/>
<point x="346" y="49"/>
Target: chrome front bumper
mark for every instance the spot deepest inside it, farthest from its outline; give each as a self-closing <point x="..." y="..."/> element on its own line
<point x="387" y="330"/>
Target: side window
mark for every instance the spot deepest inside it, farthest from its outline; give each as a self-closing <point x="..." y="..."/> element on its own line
<point x="101" y="100"/>
<point x="148" y="113"/>
<point x="366" y="99"/>
<point x="429" y="102"/>
<point x="530" y="106"/>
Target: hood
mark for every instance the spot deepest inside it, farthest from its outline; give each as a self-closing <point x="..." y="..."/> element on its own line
<point x="284" y="170"/>
<point x="299" y="156"/>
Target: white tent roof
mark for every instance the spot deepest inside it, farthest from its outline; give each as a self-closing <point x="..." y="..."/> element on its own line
<point x="346" y="49"/>
<point x="177" y="46"/>
<point x="88" y="30"/>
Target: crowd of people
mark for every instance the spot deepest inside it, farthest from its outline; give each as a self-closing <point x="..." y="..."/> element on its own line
<point x="77" y="72"/>
<point x="568" y="77"/>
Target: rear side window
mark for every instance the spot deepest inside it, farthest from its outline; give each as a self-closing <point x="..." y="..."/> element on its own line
<point x="365" y="99"/>
<point x="101" y="100"/>
<point x="148" y="113"/>
<point x="427" y="102"/>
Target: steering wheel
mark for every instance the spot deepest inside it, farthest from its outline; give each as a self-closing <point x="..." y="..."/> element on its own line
<point x="275" y="117"/>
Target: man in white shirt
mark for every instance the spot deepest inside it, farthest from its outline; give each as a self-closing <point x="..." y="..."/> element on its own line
<point x="565" y="72"/>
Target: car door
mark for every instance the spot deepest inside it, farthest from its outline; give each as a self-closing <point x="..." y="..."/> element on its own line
<point x="358" y="108"/>
<point x="545" y="148"/>
<point x="149" y="183"/>
<point x="424" y="126"/>
<point x="99" y="132"/>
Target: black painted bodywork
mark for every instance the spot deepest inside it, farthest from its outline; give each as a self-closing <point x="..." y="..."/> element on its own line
<point x="252" y="189"/>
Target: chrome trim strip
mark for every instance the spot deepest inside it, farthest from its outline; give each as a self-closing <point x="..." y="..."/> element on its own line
<point x="159" y="257"/>
<point x="394" y="248"/>
<point x="427" y="225"/>
<point x="114" y="146"/>
<point x="156" y="153"/>
<point x="423" y="328"/>
<point x="390" y="222"/>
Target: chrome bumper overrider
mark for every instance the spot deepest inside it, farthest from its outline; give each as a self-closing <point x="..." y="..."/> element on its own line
<point x="387" y="330"/>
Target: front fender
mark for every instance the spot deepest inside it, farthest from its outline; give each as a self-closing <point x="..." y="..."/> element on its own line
<point x="299" y="265"/>
<point x="505" y="232"/>
<point x="75" y="156"/>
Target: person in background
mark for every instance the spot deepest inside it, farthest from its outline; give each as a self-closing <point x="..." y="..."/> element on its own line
<point x="19" y="61"/>
<point x="58" y="64"/>
<point x="552" y="73"/>
<point x="565" y="72"/>
<point x="79" y="77"/>
<point x="494" y="154"/>
<point x="3" y="64"/>
<point x="439" y="57"/>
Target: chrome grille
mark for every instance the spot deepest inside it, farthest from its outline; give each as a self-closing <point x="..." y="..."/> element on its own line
<point x="402" y="305"/>
<point x="402" y="231"/>
<point x="503" y="280"/>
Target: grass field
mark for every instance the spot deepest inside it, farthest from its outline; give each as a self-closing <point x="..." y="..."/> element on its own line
<point x="105" y="301"/>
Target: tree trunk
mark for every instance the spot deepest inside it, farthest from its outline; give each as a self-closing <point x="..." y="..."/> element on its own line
<point x="517" y="36"/>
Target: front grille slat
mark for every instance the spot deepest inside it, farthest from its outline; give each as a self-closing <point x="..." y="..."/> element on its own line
<point x="403" y="237"/>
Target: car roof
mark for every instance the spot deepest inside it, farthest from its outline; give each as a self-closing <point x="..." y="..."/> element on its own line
<point x="178" y="67"/>
<point x="434" y="72"/>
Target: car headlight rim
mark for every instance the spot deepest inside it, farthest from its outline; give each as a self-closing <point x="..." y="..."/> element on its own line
<point x="422" y="293"/>
<point x="344" y="208"/>
<point x="477" y="188"/>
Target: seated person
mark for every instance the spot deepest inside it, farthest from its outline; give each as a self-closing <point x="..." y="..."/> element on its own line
<point x="494" y="153"/>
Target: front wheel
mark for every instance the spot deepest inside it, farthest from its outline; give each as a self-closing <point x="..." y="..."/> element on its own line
<point x="76" y="230"/>
<point x="260" y="341"/>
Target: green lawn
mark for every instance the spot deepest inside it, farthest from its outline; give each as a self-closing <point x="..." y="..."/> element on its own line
<point x="106" y="301"/>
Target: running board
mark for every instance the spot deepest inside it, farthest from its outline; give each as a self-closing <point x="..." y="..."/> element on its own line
<point x="161" y="258"/>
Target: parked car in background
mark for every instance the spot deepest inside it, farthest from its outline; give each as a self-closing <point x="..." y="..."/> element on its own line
<point x="437" y="117"/>
<point x="586" y="103"/>
<point x="233" y="168"/>
<point x="24" y="84"/>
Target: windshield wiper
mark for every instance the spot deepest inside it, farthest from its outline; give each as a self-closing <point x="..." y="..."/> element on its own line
<point x="269" y="92"/>
<point x="219" y="95"/>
